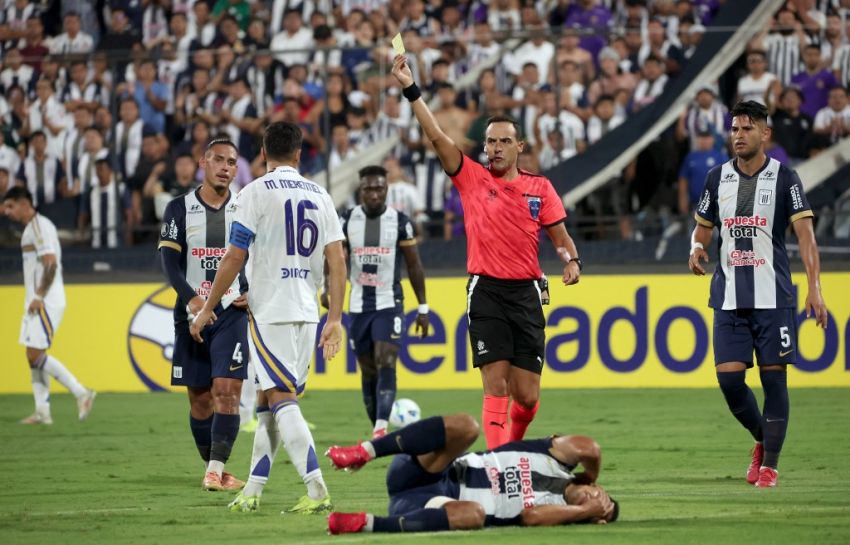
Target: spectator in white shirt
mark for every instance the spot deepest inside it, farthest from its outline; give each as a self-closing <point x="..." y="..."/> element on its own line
<point x="73" y="40"/>
<point x="605" y="119"/>
<point x="832" y="123"/>
<point x="16" y="72"/>
<point x="652" y="85"/>
<point x="48" y="114"/>
<point x="292" y="45"/>
<point x="759" y="84"/>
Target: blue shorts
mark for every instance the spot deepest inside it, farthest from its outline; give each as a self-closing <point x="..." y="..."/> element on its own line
<point x="381" y="325"/>
<point x="771" y="333"/>
<point x="224" y="352"/>
<point x="410" y="487"/>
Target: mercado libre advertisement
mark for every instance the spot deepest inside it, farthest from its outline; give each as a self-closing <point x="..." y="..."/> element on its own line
<point x="634" y="331"/>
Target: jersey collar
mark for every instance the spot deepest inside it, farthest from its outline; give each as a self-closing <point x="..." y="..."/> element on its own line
<point x="210" y="208"/>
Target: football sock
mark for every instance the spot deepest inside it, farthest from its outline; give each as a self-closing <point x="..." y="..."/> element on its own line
<point x="385" y="393"/>
<point x="418" y="438"/>
<point x="776" y="411"/>
<point x="266" y="442"/>
<point x="494" y="416"/>
<point x="298" y="443"/>
<point x="248" y="397"/>
<point x="421" y="520"/>
<point x="54" y="368"/>
<point x="225" y="428"/>
<point x="202" y="432"/>
<point x="741" y="401"/>
<point x="368" y="385"/>
<point x="381" y="425"/>
<point x="41" y="388"/>
<point x="521" y="417"/>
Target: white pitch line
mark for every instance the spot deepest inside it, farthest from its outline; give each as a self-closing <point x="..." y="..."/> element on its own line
<point x="19" y="514"/>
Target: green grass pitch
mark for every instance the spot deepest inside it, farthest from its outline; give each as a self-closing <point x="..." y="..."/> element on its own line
<point x="675" y="459"/>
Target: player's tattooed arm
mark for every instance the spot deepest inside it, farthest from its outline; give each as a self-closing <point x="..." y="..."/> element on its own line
<point x="50" y="265"/>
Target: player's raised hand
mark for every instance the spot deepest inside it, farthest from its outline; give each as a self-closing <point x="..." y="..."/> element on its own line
<point x="331" y="339"/>
<point x="202" y="319"/>
<point x="816" y="306"/>
<point x="402" y="72"/>
<point x="697" y="255"/>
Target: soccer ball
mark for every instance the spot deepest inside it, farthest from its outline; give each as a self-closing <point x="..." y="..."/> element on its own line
<point x="405" y="411"/>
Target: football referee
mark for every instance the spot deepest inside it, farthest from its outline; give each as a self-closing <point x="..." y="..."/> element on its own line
<point x="504" y="210"/>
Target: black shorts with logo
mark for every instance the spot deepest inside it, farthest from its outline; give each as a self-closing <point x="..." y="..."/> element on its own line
<point x="506" y="322"/>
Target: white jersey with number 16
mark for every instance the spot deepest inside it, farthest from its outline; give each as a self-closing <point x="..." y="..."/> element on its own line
<point x="291" y="220"/>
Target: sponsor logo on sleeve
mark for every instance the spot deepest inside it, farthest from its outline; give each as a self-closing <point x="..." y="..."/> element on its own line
<point x="796" y="197"/>
<point x="704" y="202"/>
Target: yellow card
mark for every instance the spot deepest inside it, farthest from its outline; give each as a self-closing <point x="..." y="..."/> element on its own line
<point x="398" y="44"/>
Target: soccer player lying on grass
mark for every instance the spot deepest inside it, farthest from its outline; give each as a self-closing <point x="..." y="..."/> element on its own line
<point x="434" y="486"/>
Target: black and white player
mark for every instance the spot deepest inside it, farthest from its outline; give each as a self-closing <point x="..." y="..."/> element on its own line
<point x="376" y="238"/>
<point x="433" y="486"/>
<point x="752" y="200"/>
<point x="195" y="231"/>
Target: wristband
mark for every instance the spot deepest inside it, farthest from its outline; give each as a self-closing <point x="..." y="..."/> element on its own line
<point x="37" y="297"/>
<point x="423" y="308"/>
<point x="696" y="245"/>
<point x="411" y="92"/>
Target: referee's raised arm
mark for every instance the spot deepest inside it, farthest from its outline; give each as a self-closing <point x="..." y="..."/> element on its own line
<point x="450" y="155"/>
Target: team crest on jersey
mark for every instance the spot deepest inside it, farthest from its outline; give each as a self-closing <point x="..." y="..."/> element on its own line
<point x="169" y="230"/>
<point x="534" y="204"/>
<point x="764" y="196"/>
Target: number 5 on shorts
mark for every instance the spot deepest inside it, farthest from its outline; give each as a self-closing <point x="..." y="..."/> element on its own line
<point x="783" y="335"/>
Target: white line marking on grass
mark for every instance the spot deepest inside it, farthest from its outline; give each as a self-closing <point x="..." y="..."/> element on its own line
<point x="19" y="514"/>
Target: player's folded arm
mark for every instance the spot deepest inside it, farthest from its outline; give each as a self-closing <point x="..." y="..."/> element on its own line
<point x="553" y="515"/>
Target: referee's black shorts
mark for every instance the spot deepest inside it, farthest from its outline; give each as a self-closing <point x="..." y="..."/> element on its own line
<point x="506" y="322"/>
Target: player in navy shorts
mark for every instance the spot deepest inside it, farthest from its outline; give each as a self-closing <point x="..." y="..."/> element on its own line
<point x="376" y="239"/>
<point x="194" y="236"/>
<point x="433" y="484"/>
<point x="752" y="200"/>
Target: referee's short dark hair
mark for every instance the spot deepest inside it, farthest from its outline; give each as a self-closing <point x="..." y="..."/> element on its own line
<point x="17" y="193"/>
<point x="281" y="140"/>
<point x="756" y="111"/>
<point x="504" y="118"/>
<point x="372" y="170"/>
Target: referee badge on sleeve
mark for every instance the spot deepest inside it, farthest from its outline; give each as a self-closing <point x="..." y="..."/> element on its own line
<point x="534" y="204"/>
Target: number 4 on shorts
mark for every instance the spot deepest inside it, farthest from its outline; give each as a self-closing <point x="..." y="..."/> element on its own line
<point x="237" y="353"/>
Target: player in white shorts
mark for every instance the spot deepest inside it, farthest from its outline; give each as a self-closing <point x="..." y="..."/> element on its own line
<point x="290" y="225"/>
<point x="44" y="306"/>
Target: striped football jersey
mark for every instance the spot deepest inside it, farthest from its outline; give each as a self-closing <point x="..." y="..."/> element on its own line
<point x="752" y="215"/>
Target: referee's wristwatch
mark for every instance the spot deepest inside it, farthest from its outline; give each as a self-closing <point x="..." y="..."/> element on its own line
<point x="577" y="260"/>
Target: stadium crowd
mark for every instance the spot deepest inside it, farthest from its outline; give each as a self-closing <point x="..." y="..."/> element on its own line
<point x="106" y="106"/>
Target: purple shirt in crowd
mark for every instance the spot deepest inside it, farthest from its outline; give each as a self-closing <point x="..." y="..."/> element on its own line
<point x="597" y="17"/>
<point x="815" y="89"/>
